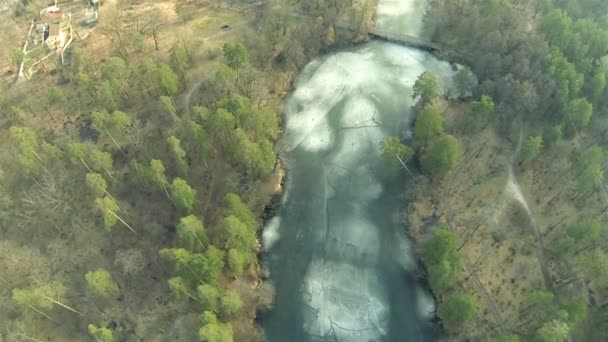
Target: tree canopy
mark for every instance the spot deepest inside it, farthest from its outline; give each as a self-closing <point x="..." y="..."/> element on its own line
<point x="443" y="155"/>
<point x="426" y="88"/>
<point x="101" y="283"/>
<point x="458" y="310"/>
<point x="429" y="124"/>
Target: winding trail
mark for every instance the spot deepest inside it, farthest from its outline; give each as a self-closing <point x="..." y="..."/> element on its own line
<point x="514" y="190"/>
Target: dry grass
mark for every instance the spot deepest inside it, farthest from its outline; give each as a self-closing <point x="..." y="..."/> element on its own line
<point x="472" y="201"/>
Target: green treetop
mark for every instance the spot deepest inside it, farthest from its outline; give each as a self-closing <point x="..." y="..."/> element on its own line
<point x="532" y="148"/>
<point x="108" y="208"/>
<point x="585" y="231"/>
<point x="553" y="331"/>
<point x="593" y="265"/>
<point x="426" y="88"/>
<point x="209" y="297"/>
<point x="578" y="112"/>
<point x="112" y="127"/>
<point x="213" y="330"/>
<point x="188" y="266"/>
<point x="481" y="111"/>
<point x="178" y="153"/>
<point x="157" y="174"/>
<point x="428" y="124"/>
<point x="238" y="234"/>
<point x="394" y="152"/>
<point x="237" y="260"/>
<point x="99" y="160"/>
<point x="101" y="283"/>
<point x="201" y="138"/>
<point x="180" y="288"/>
<point x="569" y="81"/>
<point x="542" y="306"/>
<point x="597" y="85"/>
<point x="442" y="258"/>
<point x="444" y="153"/>
<point x="101" y="334"/>
<point x="38" y="297"/>
<point x="168" y="81"/>
<point x="182" y="195"/>
<point x="27" y="143"/>
<point x="233" y="205"/>
<point x="464" y="81"/>
<point x="457" y="310"/>
<point x="231" y="304"/>
<point x="236" y="55"/>
<point x="589" y="168"/>
<point x="168" y="112"/>
<point x="195" y="268"/>
<point x="191" y="233"/>
<point x="97" y="184"/>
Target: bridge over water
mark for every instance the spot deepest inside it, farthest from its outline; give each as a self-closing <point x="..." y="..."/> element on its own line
<point x="405" y="39"/>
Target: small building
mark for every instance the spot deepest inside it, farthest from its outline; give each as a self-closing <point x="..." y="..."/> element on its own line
<point x="90" y="19"/>
<point x="55" y="37"/>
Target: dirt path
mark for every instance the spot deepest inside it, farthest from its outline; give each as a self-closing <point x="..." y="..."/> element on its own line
<point x="538" y="236"/>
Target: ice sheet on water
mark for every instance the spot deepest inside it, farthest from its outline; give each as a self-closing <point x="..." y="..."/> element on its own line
<point x="314" y="98"/>
<point x="353" y="240"/>
<point x="344" y="300"/>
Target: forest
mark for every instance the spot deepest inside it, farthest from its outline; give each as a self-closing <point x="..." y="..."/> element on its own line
<point x="529" y="105"/>
<point x="133" y="178"/>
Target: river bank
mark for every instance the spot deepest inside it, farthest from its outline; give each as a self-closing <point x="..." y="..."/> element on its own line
<point x="473" y="201"/>
<point x="512" y="214"/>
